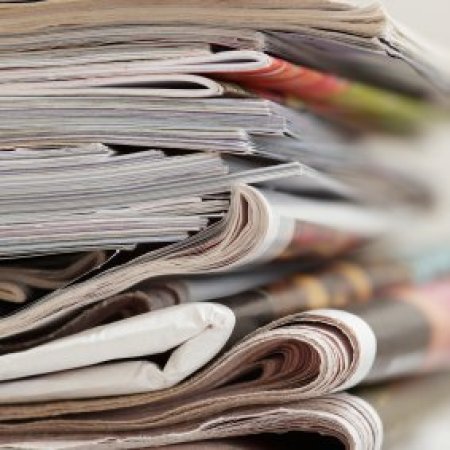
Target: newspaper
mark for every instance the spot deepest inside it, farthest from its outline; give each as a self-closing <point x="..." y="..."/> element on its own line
<point x="349" y="37"/>
<point x="414" y="413"/>
<point x="194" y="242"/>
<point x="297" y="357"/>
<point x="410" y="410"/>
<point x="257" y="295"/>
<point x="261" y="225"/>
<point x="20" y="283"/>
<point x="257" y="72"/>
<point x="332" y="420"/>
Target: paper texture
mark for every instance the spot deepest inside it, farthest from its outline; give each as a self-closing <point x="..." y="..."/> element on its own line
<point x="197" y="248"/>
<point x="194" y="334"/>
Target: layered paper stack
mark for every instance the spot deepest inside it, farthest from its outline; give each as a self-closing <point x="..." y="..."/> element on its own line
<point x="192" y="235"/>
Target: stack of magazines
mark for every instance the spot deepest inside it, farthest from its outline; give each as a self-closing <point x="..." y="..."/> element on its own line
<point x="193" y="240"/>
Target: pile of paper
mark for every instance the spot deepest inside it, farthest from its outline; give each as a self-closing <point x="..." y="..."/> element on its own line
<point x="192" y="236"/>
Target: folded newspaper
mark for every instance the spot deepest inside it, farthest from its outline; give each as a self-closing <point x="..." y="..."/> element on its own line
<point x="193" y="238"/>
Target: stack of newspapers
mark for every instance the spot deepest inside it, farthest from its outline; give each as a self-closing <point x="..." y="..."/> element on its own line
<point x="193" y="238"/>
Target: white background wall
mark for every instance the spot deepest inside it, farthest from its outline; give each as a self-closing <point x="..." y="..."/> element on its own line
<point x="429" y="17"/>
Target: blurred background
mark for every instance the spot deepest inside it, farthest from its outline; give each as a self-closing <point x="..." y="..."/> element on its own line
<point x="426" y="155"/>
<point x="430" y="18"/>
<point x="424" y="422"/>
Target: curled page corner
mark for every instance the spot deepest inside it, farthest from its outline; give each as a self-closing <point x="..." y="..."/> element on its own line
<point x="366" y="342"/>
